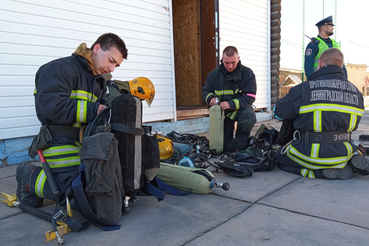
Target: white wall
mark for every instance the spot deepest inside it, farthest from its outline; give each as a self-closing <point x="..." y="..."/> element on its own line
<point x="35" y="32"/>
<point x="244" y="24"/>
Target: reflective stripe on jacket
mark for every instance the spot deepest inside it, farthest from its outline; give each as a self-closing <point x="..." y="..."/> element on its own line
<point x="238" y="88"/>
<point x="325" y="103"/>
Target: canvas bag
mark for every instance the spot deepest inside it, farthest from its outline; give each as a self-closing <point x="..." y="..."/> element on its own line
<point x="103" y="176"/>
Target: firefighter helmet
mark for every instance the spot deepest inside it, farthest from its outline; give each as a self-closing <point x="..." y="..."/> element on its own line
<point x="142" y="88"/>
<point x="165" y="147"/>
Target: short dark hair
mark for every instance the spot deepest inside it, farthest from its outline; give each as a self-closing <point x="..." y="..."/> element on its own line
<point x="108" y="40"/>
<point x="332" y="56"/>
<point x="230" y="51"/>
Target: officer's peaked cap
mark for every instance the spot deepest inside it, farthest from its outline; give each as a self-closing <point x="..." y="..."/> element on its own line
<point x="326" y="21"/>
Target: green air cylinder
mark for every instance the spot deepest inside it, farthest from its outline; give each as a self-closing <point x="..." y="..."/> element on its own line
<point x="216" y="128"/>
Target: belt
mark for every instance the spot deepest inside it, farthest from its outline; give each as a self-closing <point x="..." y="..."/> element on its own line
<point x="325" y="137"/>
<point x="66" y="133"/>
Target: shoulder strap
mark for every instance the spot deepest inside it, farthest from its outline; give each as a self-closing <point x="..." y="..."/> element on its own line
<point x="158" y="188"/>
<point x="126" y="129"/>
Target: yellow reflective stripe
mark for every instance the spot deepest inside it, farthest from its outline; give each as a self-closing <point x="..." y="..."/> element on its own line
<point x="210" y="94"/>
<point x="77" y="124"/>
<point x="232" y="115"/>
<point x="349" y="148"/>
<point x="81" y="111"/>
<point x="40" y="183"/>
<point x="35" y="91"/>
<point x="319" y="160"/>
<point x="311" y="175"/>
<point x="83" y="95"/>
<point x="304" y="172"/>
<point x="315" y="150"/>
<point x="313" y="166"/>
<point x="61" y="150"/>
<point x="353" y="121"/>
<point x="331" y="107"/>
<point x="64" y="162"/>
<point x="317" y="121"/>
<point x="224" y="92"/>
<point x="236" y="103"/>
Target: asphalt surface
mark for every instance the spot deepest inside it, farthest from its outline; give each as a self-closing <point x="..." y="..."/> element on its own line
<point x="268" y="208"/>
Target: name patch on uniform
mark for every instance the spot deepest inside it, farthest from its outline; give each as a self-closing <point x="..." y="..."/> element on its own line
<point x="308" y="52"/>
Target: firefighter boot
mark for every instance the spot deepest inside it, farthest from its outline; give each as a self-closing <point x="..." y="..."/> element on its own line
<point x="23" y="176"/>
<point x="360" y="164"/>
<point x="338" y="173"/>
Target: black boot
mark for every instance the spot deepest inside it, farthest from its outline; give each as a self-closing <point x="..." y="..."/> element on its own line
<point x="360" y="164"/>
<point x="338" y="173"/>
<point x="23" y="176"/>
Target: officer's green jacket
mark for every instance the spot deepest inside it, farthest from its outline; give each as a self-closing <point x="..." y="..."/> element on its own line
<point x="327" y="102"/>
<point x="238" y="88"/>
<point x="313" y="52"/>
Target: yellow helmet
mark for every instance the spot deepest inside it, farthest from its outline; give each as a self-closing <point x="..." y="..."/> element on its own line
<point x="142" y="88"/>
<point x="165" y="147"/>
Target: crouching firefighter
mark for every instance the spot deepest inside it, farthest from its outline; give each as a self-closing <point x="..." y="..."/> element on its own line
<point x="69" y="93"/>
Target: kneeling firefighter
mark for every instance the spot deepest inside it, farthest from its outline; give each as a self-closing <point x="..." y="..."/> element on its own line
<point x="60" y="145"/>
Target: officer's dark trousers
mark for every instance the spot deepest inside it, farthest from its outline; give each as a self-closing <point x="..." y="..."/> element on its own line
<point x="246" y="120"/>
<point x="288" y="165"/>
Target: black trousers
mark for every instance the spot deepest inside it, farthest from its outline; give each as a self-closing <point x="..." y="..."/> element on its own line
<point x="246" y="120"/>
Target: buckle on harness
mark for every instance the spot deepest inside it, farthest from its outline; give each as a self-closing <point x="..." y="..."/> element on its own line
<point x="60" y="216"/>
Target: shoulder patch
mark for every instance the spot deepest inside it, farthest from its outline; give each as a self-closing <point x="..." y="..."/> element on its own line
<point x="308" y="52"/>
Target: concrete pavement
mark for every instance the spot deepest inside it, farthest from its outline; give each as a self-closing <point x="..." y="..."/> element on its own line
<point x="269" y="208"/>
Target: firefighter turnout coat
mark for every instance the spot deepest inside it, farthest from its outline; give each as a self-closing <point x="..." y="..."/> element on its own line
<point x="329" y="104"/>
<point x="66" y="94"/>
<point x="238" y="88"/>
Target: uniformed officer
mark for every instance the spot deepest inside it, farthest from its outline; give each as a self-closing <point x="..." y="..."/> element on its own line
<point x="318" y="45"/>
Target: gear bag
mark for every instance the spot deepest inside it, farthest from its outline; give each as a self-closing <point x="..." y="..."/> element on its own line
<point x="103" y="176"/>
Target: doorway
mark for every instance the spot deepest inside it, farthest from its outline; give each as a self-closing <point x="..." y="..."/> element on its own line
<point x="196" y="48"/>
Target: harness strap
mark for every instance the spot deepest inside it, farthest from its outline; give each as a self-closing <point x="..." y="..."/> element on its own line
<point x="325" y="137"/>
<point x="127" y="129"/>
<point x="58" y="212"/>
<point x="158" y="188"/>
<point x="84" y="207"/>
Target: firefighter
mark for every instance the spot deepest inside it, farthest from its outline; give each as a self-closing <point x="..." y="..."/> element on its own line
<point x="319" y="44"/>
<point x="69" y="93"/>
<point x="325" y="111"/>
<point x="234" y="85"/>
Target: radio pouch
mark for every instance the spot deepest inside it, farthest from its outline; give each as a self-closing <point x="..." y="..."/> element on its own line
<point x="40" y="141"/>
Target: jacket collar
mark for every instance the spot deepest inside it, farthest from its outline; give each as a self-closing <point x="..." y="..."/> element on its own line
<point x="224" y="70"/>
<point x="327" y="71"/>
<point x="85" y="52"/>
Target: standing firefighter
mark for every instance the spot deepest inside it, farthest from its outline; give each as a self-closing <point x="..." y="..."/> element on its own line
<point x="324" y="110"/>
<point x="235" y="87"/>
<point x="318" y="45"/>
<point x="69" y="93"/>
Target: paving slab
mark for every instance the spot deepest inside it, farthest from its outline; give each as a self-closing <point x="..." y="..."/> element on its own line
<point x="253" y="188"/>
<point x="9" y="186"/>
<point x="338" y="200"/>
<point x="173" y="221"/>
<point x="263" y="225"/>
<point x="7" y="171"/>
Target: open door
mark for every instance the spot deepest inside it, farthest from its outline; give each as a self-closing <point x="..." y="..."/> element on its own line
<point x="196" y="52"/>
<point x="209" y="37"/>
